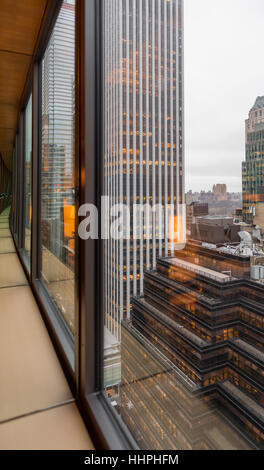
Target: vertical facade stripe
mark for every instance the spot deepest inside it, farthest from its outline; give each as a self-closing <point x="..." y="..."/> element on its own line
<point x="171" y="110"/>
<point x="159" y="119"/>
<point x="120" y="158"/>
<point x="134" y="48"/>
<point x="141" y="262"/>
<point x="128" y="156"/>
<point x="165" y="140"/>
<point x="153" y="136"/>
<point x="147" y="126"/>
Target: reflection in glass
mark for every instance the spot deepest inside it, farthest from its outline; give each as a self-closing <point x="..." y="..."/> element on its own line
<point x="27" y="176"/>
<point x="58" y="191"/>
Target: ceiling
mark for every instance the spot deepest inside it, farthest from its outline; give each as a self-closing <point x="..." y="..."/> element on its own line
<point x="20" y="21"/>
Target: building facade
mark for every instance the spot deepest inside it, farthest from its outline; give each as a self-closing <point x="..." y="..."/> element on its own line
<point x="215" y="229"/>
<point x="203" y="331"/>
<point x="58" y="68"/>
<point x="253" y="167"/>
<point x="220" y="192"/>
<point x="144" y="140"/>
<point x="194" y="210"/>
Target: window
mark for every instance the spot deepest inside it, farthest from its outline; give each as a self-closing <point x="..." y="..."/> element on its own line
<point x="27" y="178"/>
<point x="58" y="165"/>
<point x="163" y="374"/>
<point x="18" y="183"/>
<point x="142" y="110"/>
<point x="14" y="189"/>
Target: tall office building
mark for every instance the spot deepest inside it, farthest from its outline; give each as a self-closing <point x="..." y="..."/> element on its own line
<point x="144" y="139"/>
<point x="57" y="113"/>
<point x="57" y="128"/>
<point x="253" y="167"/>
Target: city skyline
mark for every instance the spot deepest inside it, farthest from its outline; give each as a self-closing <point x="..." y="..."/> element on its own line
<point x="220" y="87"/>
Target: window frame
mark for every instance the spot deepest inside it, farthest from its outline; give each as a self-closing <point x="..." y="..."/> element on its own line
<point x="56" y="325"/>
<point x="25" y="101"/>
<point x="111" y="432"/>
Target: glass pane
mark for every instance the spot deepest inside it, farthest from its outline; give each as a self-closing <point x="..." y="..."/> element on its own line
<point x="58" y="190"/>
<point x="184" y="346"/>
<point x="27" y="176"/>
<point x="15" y="196"/>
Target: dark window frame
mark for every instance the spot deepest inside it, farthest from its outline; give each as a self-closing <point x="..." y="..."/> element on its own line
<point x="26" y="97"/>
<point x="57" y="327"/>
<point x="109" y="430"/>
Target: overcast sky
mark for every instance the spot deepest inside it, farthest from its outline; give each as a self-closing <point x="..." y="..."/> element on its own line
<point x="224" y="73"/>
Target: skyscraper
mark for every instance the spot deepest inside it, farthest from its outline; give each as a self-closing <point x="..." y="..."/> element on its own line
<point x="144" y="139"/>
<point x="57" y="127"/>
<point x="253" y="167"/>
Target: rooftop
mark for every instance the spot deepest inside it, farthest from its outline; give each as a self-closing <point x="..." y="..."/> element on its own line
<point x="201" y="270"/>
<point x="259" y="103"/>
<point x="216" y="217"/>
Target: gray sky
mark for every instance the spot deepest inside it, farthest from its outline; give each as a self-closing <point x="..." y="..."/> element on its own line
<point x="224" y="73"/>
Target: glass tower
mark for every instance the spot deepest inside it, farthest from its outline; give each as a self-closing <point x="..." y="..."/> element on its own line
<point x="144" y="137"/>
<point x="253" y="167"/>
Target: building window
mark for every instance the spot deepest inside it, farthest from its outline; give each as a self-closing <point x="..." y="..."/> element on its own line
<point x="58" y="165"/>
<point x="27" y="178"/>
<point x="142" y="154"/>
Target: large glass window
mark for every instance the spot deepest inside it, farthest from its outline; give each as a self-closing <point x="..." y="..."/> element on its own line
<point x="183" y="343"/>
<point x="58" y="164"/>
<point x="143" y="182"/>
<point x="16" y="191"/>
<point x="14" y="188"/>
<point x="27" y="177"/>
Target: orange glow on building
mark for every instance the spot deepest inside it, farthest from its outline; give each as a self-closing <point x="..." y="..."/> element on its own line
<point x="177" y="233"/>
<point x="69" y="220"/>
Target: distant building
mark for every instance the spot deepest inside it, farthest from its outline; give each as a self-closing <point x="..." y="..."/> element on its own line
<point x="238" y="216"/>
<point x="194" y="210"/>
<point x="253" y="167"/>
<point x="191" y="197"/>
<point x="258" y="219"/>
<point x="220" y="192"/>
<point x="219" y="202"/>
<point x="215" y="229"/>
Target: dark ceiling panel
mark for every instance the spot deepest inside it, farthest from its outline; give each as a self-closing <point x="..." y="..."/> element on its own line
<point x="7" y="137"/>
<point x="8" y="116"/>
<point x="20" y="21"/>
<point x="7" y="156"/>
<point x="13" y="72"/>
